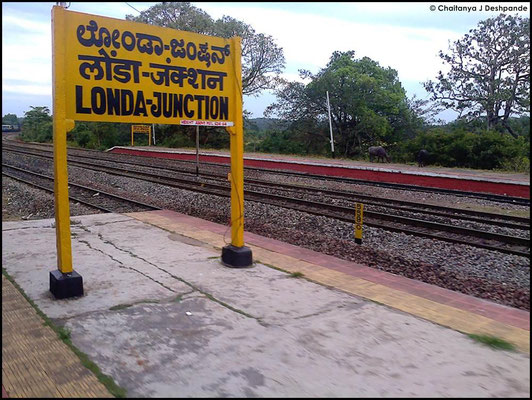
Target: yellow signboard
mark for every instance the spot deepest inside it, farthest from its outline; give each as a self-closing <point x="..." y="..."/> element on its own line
<point x="123" y="71"/>
<point x="140" y="129"/>
<point x="359" y="214"/>
<point x="110" y="70"/>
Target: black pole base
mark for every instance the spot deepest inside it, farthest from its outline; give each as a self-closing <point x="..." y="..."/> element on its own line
<point x="64" y="286"/>
<point x="237" y="257"/>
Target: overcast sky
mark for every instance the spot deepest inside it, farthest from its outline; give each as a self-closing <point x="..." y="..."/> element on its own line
<point x="404" y="36"/>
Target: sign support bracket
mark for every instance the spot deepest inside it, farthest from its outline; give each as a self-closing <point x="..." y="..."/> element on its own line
<point x="237" y="255"/>
<point x="81" y="94"/>
<point x="64" y="282"/>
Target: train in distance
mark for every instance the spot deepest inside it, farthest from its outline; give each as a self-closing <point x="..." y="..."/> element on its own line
<point x="10" y="128"/>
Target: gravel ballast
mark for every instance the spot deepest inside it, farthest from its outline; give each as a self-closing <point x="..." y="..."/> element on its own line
<point x="491" y="275"/>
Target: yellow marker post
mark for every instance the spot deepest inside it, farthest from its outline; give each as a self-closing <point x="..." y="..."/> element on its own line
<point x="236" y="255"/>
<point x="359" y="218"/>
<point x="64" y="282"/>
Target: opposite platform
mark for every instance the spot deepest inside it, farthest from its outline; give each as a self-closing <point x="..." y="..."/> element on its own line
<point x="461" y="179"/>
<point x="164" y="317"/>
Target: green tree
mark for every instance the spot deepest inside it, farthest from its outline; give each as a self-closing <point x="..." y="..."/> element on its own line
<point x="100" y="135"/>
<point x="81" y="136"/>
<point x="10" y="119"/>
<point x="489" y="74"/>
<point x="521" y="126"/>
<point x="455" y="146"/>
<point x="37" y="125"/>
<point x="368" y="104"/>
<point x="304" y="136"/>
<point x="262" y="59"/>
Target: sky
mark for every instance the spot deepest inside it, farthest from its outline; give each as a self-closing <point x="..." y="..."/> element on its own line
<point x="406" y="36"/>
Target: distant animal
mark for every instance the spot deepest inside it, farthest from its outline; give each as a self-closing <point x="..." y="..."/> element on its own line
<point x="422" y="157"/>
<point x="379" y="152"/>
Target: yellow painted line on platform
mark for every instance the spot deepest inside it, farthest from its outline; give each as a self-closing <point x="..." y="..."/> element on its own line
<point x="441" y="314"/>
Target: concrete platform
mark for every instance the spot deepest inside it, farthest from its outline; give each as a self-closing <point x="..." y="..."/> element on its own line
<point x="165" y="318"/>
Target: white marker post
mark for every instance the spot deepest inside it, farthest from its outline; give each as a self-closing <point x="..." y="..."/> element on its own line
<point x="197" y="150"/>
<point x="330" y="125"/>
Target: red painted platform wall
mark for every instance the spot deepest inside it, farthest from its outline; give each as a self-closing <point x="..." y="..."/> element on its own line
<point x="465" y="184"/>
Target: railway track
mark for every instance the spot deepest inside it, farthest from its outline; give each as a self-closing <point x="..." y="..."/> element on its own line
<point x="342" y="196"/>
<point x="97" y="199"/>
<point x="393" y="222"/>
<point x="396" y="186"/>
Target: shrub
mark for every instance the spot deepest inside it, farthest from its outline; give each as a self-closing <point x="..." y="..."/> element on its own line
<point x="178" y="140"/>
<point x="485" y="150"/>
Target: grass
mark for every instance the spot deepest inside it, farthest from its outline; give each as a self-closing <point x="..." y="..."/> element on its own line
<point x="119" y="307"/>
<point x="492" y="341"/>
<point x="297" y="274"/>
<point x="274" y="267"/>
<point x="178" y="299"/>
<point x="64" y="335"/>
<point x="124" y="306"/>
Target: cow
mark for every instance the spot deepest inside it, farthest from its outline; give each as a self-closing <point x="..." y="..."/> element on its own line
<point x="422" y="157"/>
<point x="379" y="152"/>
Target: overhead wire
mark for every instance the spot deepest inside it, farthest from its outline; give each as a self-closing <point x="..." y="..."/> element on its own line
<point x="132" y="7"/>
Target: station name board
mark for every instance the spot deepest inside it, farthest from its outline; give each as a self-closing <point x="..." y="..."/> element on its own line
<point x="123" y="71"/>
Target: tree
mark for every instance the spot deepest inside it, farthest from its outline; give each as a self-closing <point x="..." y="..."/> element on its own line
<point x="489" y="72"/>
<point x="37" y="125"/>
<point x="368" y="103"/>
<point x="10" y="119"/>
<point x="262" y="59"/>
<point x="423" y="113"/>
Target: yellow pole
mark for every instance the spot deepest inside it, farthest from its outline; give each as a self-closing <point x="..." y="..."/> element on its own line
<point x="236" y="255"/>
<point x="359" y="218"/>
<point x="131" y="135"/>
<point x="61" y="126"/>
<point x="237" y="157"/>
